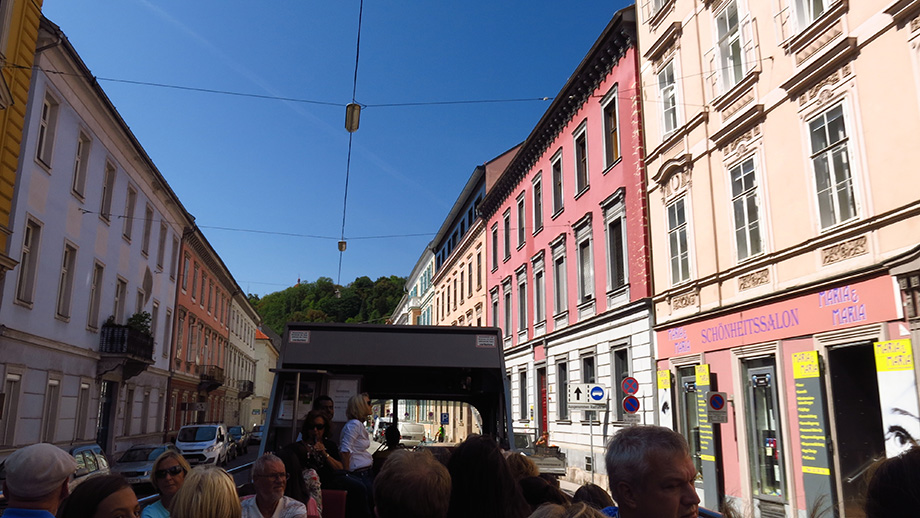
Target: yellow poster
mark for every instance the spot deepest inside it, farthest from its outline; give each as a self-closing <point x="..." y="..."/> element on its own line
<point x="893" y="355"/>
<point x="702" y="375"/>
<point x="664" y="379"/>
<point x="805" y="365"/>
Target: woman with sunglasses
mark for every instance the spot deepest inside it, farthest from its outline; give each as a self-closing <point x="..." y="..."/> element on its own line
<point x="167" y="476"/>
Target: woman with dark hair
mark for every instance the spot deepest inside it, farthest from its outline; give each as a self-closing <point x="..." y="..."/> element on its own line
<point x="102" y="496"/>
<point x="894" y="489"/>
<point x="481" y="483"/>
<point x="319" y="452"/>
<point x="593" y="495"/>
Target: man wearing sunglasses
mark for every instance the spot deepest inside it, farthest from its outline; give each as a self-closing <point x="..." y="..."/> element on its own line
<point x="270" y="478"/>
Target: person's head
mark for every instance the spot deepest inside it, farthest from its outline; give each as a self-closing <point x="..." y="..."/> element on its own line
<point x="392" y="436"/>
<point x="357" y="408"/>
<point x="269" y="476"/>
<point x="37" y="477"/>
<point x="894" y="489"/>
<point x="315" y="426"/>
<point x="548" y="510"/>
<point x="538" y="491"/>
<point x="168" y="473"/>
<point x="101" y="496"/>
<point x="325" y="404"/>
<point x="583" y="510"/>
<point x="208" y="492"/>
<point x="593" y="495"/>
<point x="481" y="483"/>
<point x="651" y="473"/>
<point x="522" y="467"/>
<point x="412" y="484"/>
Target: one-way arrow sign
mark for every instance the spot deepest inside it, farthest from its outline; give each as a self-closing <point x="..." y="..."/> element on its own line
<point x="586" y="395"/>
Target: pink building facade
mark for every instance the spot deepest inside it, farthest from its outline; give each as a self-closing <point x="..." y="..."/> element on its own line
<point x="567" y="257"/>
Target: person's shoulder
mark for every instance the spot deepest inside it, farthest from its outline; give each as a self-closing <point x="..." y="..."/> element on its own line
<point x="610" y="511"/>
<point x="292" y="508"/>
<point x="27" y="513"/>
<point x="155" y="510"/>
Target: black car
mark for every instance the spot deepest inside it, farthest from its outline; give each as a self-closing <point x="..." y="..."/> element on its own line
<point x="240" y="439"/>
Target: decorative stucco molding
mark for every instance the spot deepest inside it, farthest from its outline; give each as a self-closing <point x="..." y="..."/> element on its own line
<point x="845" y="250"/>
<point x="754" y="279"/>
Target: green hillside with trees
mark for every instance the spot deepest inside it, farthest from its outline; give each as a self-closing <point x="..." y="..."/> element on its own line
<point x="362" y="301"/>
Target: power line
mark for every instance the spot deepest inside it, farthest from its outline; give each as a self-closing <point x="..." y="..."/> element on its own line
<point x="351" y="134"/>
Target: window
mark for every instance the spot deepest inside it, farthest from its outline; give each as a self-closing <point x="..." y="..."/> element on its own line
<point x="210" y="295"/>
<point x="469" y="277"/>
<point x="745" y="210"/>
<point x="167" y="334"/>
<point x="539" y="288"/>
<point x="455" y="292"/>
<point x="462" y="290"/>
<point x="81" y="160"/>
<point x="46" y="127"/>
<point x="522" y="302"/>
<point x="585" y="262"/>
<point x="507" y="236"/>
<point x="130" y="201"/>
<point x="28" y="262"/>
<point x="148" y="229"/>
<point x="765" y="442"/>
<point x="666" y="91"/>
<point x="581" y="160"/>
<point x="50" y="412"/>
<point x="495" y="320"/>
<point x="478" y="271"/>
<point x="154" y="319"/>
<point x="161" y="246"/>
<point x="108" y="185"/>
<point x="129" y="410"/>
<point x="180" y="327"/>
<point x="557" y="183"/>
<point x="175" y="261"/>
<point x="559" y="296"/>
<point x="562" y="382"/>
<point x="506" y="291"/>
<point x="830" y="159"/>
<point x="11" y="387"/>
<point x="95" y="296"/>
<point x="611" y="129"/>
<point x="537" y="204"/>
<point x="730" y="55"/>
<point x="677" y="242"/>
<point x="807" y="11"/>
<point x="118" y="307"/>
<point x="495" y="247"/>
<point x="79" y="431"/>
<point x="588" y="375"/>
<point x="523" y="388"/>
<point x="521" y="221"/>
<point x="194" y="281"/>
<point x="65" y="286"/>
<point x="204" y="284"/>
<point x="185" y="265"/>
<point x="620" y="360"/>
<point x="615" y="229"/>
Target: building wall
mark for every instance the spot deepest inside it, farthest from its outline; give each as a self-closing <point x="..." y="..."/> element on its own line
<point x="241" y="362"/>
<point x="266" y="353"/>
<point x="461" y="282"/>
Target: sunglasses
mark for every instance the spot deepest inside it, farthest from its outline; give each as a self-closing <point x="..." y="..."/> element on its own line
<point x="174" y="471"/>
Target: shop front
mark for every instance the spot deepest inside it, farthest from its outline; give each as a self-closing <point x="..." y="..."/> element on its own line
<point x="820" y="385"/>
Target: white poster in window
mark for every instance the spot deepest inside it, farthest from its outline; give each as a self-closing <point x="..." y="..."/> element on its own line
<point x="897" y="393"/>
<point x="341" y="390"/>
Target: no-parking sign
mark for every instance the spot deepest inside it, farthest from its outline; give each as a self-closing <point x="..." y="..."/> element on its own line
<point x="717" y="407"/>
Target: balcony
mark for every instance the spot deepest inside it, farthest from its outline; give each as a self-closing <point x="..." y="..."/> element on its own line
<point x="246" y="389"/>
<point x="212" y="377"/>
<point x="124" y="350"/>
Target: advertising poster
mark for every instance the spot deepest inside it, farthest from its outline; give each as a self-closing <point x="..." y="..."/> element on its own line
<point x="897" y="392"/>
<point x="708" y="450"/>
<point x="813" y="433"/>
<point x="665" y="402"/>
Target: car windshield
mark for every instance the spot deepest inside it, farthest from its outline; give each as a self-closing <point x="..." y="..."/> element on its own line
<point x="141" y="454"/>
<point x="197" y="434"/>
<point x="236" y="431"/>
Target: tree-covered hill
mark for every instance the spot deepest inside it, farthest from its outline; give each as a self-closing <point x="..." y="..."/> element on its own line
<point x="363" y="300"/>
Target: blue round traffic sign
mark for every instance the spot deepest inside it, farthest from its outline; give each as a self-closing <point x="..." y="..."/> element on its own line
<point x="630" y="385"/>
<point x="716" y="402"/>
<point x="597" y="394"/>
<point x="631" y="404"/>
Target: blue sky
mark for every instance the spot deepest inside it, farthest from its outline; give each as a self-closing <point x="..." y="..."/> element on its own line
<point x="279" y="166"/>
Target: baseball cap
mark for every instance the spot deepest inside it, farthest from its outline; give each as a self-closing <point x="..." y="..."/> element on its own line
<point x="37" y="470"/>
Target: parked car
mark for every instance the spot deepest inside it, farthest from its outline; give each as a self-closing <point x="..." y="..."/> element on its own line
<point x="410" y="434"/>
<point x="204" y="443"/>
<point x="137" y="462"/>
<point x="240" y="440"/>
<point x="256" y="436"/>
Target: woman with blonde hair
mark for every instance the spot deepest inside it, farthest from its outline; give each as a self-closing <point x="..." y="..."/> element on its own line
<point x="167" y="476"/>
<point x="354" y="445"/>
<point x="207" y="493"/>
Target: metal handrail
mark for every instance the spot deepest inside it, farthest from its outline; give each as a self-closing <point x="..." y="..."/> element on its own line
<point x="147" y="500"/>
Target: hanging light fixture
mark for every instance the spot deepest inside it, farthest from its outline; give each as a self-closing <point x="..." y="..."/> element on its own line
<point x="352" y="117"/>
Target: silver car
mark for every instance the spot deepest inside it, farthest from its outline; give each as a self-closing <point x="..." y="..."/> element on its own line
<point x="136" y="463"/>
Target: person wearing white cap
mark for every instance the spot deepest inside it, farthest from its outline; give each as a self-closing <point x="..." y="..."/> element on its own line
<point x="36" y="481"/>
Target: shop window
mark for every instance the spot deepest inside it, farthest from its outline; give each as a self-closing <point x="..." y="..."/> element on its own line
<point x="689" y="415"/>
<point x="765" y="446"/>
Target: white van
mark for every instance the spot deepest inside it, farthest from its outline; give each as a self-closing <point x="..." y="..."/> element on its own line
<point x="410" y="434"/>
<point x="204" y="443"/>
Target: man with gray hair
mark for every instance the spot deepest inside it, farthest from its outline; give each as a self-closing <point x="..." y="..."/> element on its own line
<point x="37" y="478"/>
<point x="651" y="474"/>
<point x="412" y="484"/>
<point x="270" y="478"/>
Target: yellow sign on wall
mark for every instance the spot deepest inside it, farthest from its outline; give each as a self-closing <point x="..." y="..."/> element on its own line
<point x="702" y="374"/>
<point x="805" y="365"/>
<point x="893" y="355"/>
<point x="664" y="379"/>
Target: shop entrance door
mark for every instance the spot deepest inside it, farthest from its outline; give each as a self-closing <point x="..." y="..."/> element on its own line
<point x="689" y="416"/>
<point x="766" y="451"/>
<point x="857" y="420"/>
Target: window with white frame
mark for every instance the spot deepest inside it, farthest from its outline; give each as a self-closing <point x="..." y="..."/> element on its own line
<point x="585" y="264"/>
<point x="28" y="262"/>
<point x="731" y="59"/>
<point x="522" y="300"/>
<point x="668" y="96"/>
<point x="581" y="158"/>
<point x="537" y="203"/>
<point x="108" y="185"/>
<point x="50" y="412"/>
<point x="562" y="382"/>
<point x="180" y="332"/>
<point x="539" y="290"/>
<point x="154" y="319"/>
<point x="148" y="229"/>
<point x="611" y="128"/>
<point x="196" y="269"/>
<point x="118" y="305"/>
<point x="506" y="240"/>
<point x="745" y="209"/>
<point x="589" y="375"/>
<point x="677" y="241"/>
<point x="621" y="370"/>
<point x="139" y="301"/>
<point x="95" y="296"/>
<point x="557" y="183"/>
<point x="167" y="333"/>
<point x="11" y="387"/>
<point x="161" y="245"/>
<point x="523" y="395"/>
<point x="81" y="160"/>
<point x="494" y="247"/>
<point x="174" y="261"/>
<point x="82" y="412"/>
<point x="47" y="124"/>
<point x="65" y="285"/>
<point x="130" y="202"/>
<point x="560" y="302"/>
<point x="506" y="299"/>
<point x="807" y="11"/>
<point x="469" y="277"/>
<point x="521" y="221"/>
<point x="615" y="233"/>
<point x="831" y="162"/>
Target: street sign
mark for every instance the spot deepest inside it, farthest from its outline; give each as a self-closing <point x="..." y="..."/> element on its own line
<point x="445" y="418"/>
<point x="716" y="403"/>
<point x="586" y="395"/>
<point x="631" y="404"/>
<point x="630" y="385"/>
<point x="632" y="419"/>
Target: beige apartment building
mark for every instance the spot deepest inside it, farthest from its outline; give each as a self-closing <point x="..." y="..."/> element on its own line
<point x="785" y="222"/>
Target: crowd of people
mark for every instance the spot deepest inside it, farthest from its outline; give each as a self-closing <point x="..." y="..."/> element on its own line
<point x="649" y="469"/>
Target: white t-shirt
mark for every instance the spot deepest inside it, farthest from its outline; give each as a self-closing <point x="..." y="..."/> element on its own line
<point x="287" y="507"/>
<point x="356" y="441"/>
